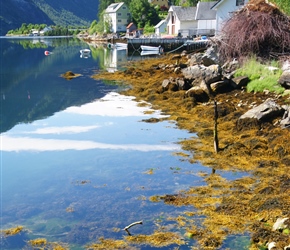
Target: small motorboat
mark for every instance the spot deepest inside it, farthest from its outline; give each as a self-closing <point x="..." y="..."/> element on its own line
<point x="118" y="46"/>
<point x="85" y="51"/>
<point x="158" y="49"/>
<point x="146" y="48"/>
<point x="149" y="52"/>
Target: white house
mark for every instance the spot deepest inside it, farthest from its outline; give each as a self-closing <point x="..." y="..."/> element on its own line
<point x="181" y="18"/>
<point x="206" y="18"/>
<point x="46" y="29"/>
<point x="117" y="16"/>
<point x="192" y="21"/>
<point x="224" y="10"/>
<point x="160" y="27"/>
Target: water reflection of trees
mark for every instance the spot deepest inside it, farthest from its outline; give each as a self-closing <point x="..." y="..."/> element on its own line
<point x="31" y="87"/>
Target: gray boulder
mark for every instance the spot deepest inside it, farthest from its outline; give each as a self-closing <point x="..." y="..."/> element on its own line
<point x="240" y="82"/>
<point x="285" y="122"/>
<point x="264" y="112"/>
<point x="210" y="56"/>
<point x="197" y="73"/>
<point x="284" y="79"/>
<point x="198" y="94"/>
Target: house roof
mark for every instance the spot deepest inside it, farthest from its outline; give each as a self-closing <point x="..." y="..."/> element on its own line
<point x="114" y="7"/>
<point x="205" y="12"/>
<point x="216" y="4"/>
<point x="184" y="13"/>
<point x="130" y="25"/>
<point x="160" y="23"/>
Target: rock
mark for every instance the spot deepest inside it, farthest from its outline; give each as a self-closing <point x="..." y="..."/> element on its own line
<point x="198" y="73"/>
<point x="169" y="84"/>
<point x="230" y="66"/>
<point x="70" y="75"/>
<point x="182" y="84"/>
<point x="264" y="112"/>
<point x="240" y="81"/>
<point x="286" y="65"/>
<point x="285" y="122"/>
<point x="195" y="59"/>
<point x="284" y="79"/>
<point x="210" y="56"/>
<point x="198" y="94"/>
<point x="221" y="87"/>
<point x="279" y="224"/>
<point x="271" y="245"/>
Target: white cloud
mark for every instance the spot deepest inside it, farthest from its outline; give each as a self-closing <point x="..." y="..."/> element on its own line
<point x="38" y="144"/>
<point x="113" y="104"/>
<point x="62" y="130"/>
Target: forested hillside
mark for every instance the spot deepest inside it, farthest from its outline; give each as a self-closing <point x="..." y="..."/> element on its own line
<point x="72" y="12"/>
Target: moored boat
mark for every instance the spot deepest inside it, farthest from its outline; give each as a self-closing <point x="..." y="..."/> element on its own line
<point x="149" y="48"/>
<point x="158" y="49"/>
<point x="85" y="51"/>
<point x="117" y="45"/>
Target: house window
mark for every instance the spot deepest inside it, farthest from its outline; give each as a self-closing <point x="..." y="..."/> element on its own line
<point x="119" y="14"/>
<point x="240" y="2"/>
<point x="119" y="20"/>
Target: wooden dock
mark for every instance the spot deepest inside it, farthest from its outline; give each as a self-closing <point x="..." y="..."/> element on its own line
<point x="168" y="44"/>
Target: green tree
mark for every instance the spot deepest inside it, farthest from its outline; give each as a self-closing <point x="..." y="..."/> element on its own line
<point x="143" y="13"/>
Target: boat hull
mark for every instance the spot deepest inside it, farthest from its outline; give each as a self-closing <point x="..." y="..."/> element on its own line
<point x="150" y="48"/>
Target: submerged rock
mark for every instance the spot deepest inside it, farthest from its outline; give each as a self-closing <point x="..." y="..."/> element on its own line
<point x="70" y="75"/>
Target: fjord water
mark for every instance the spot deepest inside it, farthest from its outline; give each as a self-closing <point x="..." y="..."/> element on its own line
<point x="78" y="162"/>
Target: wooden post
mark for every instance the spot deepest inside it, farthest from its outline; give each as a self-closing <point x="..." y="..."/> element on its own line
<point x="215" y="132"/>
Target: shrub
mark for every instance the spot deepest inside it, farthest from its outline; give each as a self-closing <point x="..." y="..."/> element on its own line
<point x="261" y="77"/>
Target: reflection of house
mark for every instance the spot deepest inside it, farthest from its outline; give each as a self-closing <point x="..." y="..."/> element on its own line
<point x="114" y="59"/>
<point x="117" y="16"/>
<point x="161" y="27"/>
<point x="161" y="3"/>
<point x="224" y="9"/>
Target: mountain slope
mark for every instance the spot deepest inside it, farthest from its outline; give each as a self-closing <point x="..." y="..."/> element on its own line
<point x="74" y="12"/>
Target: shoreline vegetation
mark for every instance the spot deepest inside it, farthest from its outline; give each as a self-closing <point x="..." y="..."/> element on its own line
<point x="248" y="205"/>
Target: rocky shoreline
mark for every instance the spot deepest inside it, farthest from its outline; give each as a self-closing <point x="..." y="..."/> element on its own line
<point x="253" y="131"/>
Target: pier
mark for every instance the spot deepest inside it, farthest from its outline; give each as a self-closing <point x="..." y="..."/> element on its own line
<point x="168" y="44"/>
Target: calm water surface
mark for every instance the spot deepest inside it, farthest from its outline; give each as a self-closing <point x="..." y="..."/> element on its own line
<point x="77" y="160"/>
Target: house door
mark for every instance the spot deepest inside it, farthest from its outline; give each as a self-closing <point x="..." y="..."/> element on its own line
<point x="173" y="30"/>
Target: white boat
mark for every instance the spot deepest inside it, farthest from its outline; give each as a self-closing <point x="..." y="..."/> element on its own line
<point x="121" y="45"/>
<point x="117" y="46"/>
<point x="150" y="48"/>
<point x="85" y="51"/>
<point x="149" y="52"/>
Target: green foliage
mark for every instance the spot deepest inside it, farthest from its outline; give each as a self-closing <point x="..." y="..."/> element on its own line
<point x="283" y="5"/>
<point x="143" y="13"/>
<point x="149" y="29"/>
<point x="25" y="29"/>
<point x="261" y="77"/>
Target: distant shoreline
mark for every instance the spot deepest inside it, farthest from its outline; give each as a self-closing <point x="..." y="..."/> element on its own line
<point x="32" y="37"/>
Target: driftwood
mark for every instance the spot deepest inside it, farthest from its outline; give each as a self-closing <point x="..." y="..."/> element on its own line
<point x="215" y="132"/>
<point x="131" y="225"/>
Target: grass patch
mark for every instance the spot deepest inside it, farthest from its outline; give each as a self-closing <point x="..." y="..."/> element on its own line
<point x="261" y="76"/>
